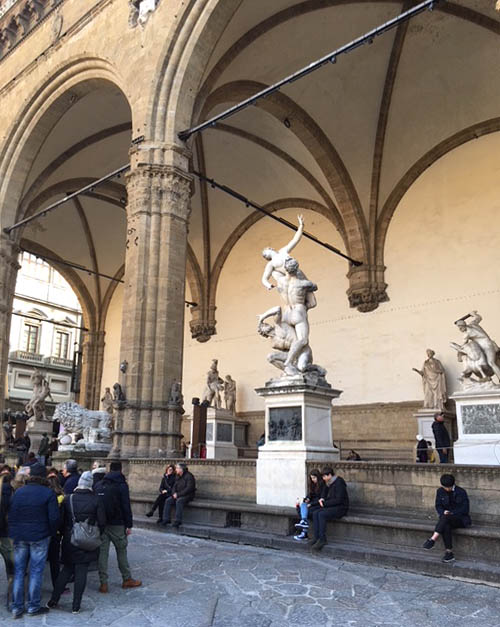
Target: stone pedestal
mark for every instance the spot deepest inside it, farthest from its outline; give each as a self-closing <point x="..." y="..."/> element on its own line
<point x="298" y="430"/>
<point x="220" y="434"/>
<point x="478" y="423"/>
<point x="36" y="428"/>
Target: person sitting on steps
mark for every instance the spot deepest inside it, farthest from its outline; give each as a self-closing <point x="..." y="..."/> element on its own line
<point x="309" y="504"/>
<point x="334" y="504"/>
<point x="183" y="492"/>
<point x="166" y="486"/>
<point x="452" y="506"/>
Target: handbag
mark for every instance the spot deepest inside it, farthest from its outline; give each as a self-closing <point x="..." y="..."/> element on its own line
<point x="84" y="535"/>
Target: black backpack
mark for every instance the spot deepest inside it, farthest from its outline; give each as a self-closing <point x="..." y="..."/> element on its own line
<point x="109" y="493"/>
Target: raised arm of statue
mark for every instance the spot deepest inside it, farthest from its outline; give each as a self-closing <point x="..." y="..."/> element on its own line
<point x="296" y="238"/>
<point x="420" y="372"/>
<point x="476" y="318"/>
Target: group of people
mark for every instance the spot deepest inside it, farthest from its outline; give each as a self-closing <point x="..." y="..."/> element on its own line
<point x="425" y="453"/>
<point x="327" y="499"/>
<point x="40" y="510"/>
<point x="177" y="489"/>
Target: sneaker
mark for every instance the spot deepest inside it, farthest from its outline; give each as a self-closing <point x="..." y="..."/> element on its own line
<point x="428" y="544"/>
<point x="317" y="546"/>
<point x="75" y="611"/>
<point x="51" y="604"/>
<point x="303" y="524"/>
<point x="39" y="611"/>
<point x="103" y="588"/>
<point x="131" y="583"/>
<point x="448" y="557"/>
<point x="301" y="537"/>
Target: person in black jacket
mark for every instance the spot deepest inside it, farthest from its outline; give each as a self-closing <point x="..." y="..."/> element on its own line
<point x="334" y="504"/>
<point x="452" y="506"/>
<point x="113" y="491"/>
<point x="166" y="486"/>
<point x="70" y="475"/>
<point x="6" y="546"/>
<point x="183" y="492"/>
<point x="441" y="437"/>
<point x="310" y="503"/>
<point x="79" y="506"/>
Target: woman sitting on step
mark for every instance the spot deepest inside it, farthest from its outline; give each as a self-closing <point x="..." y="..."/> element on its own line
<point x="309" y="504"/>
<point x="166" y="485"/>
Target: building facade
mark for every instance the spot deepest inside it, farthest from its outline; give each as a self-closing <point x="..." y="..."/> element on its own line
<point x="390" y="154"/>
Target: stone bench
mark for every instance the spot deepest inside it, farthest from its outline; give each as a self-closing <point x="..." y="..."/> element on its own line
<point x="382" y="537"/>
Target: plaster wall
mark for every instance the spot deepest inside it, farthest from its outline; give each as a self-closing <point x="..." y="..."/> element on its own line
<point x="441" y="256"/>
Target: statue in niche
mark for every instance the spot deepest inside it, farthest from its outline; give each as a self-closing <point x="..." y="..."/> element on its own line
<point x="41" y="390"/>
<point x="107" y="401"/>
<point x="478" y="353"/>
<point x="433" y="381"/>
<point x="118" y="394"/>
<point x="213" y="387"/>
<point x="176" y="398"/>
<point x="230" y="394"/>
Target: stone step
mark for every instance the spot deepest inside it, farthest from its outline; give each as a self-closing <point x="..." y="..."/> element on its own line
<point x="410" y="559"/>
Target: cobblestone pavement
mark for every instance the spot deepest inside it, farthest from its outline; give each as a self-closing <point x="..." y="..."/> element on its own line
<point x="197" y="583"/>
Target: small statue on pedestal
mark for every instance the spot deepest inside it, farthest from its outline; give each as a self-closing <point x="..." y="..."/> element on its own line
<point x="107" y="401"/>
<point x="213" y="386"/>
<point x="41" y="390"/>
<point x="176" y="398"/>
<point x="433" y="381"/>
<point x="230" y="394"/>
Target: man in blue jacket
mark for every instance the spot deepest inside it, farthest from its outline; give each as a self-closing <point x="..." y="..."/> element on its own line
<point x="114" y="493"/>
<point x="71" y="476"/>
<point x="33" y="520"/>
<point x="452" y="506"/>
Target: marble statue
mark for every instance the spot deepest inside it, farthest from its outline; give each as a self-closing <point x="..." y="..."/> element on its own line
<point x="230" y="394"/>
<point x="433" y="381"/>
<point x="213" y="387"/>
<point x="41" y="390"/>
<point x="84" y="429"/>
<point x="275" y="266"/>
<point x="118" y="394"/>
<point x="176" y="398"/>
<point x="478" y="353"/>
<point x="107" y="401"/>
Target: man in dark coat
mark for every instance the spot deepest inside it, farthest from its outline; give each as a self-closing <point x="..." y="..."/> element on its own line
<point x="452" y="506"/>
<point x="44" y="449"/>
<point x="82" y="505"/>
<point x="333" y="505"/>
<point x="441" y="437"/>
<point x="114" y="493"/>
<point x="183" y="492"/>
<point x="71" y="476"/>
<point x="6" y="547"/>
<point x="33" y="519"/>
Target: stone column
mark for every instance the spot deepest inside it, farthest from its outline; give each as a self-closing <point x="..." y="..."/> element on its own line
<point x="9" y="265"/>
<point x="153" y="315"/>
<point x="92" y="364"/>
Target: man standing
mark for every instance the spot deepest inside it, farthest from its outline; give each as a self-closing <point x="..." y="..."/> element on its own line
<point x="442" y="438"/>
<point x="113" y="490"/>
<point x="333" y="505"/>
<point x="33" y="520"/>
<point x="44" y="449"/>
<point x="452" y="506"/>
<point x="70" y="475"/>
<point x="183" y="492"/>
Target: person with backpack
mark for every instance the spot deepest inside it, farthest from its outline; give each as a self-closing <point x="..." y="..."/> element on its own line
<point x="114" y="494"/>
<point x="80" y="506"/>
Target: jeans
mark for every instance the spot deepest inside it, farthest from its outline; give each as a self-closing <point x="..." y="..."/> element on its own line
<point x="7" y="552"/>
<point x="36" y="553"/>
<point x="80" y="573"/>
<point x="117" y="535"/>
<point x="443" y="457"/>
<point x="320" y="518"/>
<point x="179" y="502"/>
<point x="445" y="526"/>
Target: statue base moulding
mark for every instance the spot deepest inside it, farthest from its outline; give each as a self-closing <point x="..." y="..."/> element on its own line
<point x="478" y="423"/>
<point x="298" y="430"/>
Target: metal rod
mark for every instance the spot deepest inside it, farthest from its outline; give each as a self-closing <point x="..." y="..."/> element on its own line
<point x="254" y="205"/>
<point x="77" y="266"/>
<point x="58" y="203"/>
<point x="331" y="57"/>
<point x="59" y="324"/>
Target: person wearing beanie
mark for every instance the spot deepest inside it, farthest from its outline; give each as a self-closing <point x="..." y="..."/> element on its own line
<point x="33" y="520"/>
<point x="80" y="506"/>
<point x="452" y="506"/>
<point x="70" y="476"/>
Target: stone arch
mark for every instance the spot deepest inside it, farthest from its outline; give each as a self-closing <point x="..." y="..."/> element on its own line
<point x="447" y="145"/>
<point x="242" y="228"/>
<point x="44" y="107"/>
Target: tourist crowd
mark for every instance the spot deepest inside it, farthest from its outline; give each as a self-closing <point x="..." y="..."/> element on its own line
<point x="63" y="517"/>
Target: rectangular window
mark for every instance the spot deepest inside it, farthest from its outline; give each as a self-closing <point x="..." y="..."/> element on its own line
<point x="30" y="338"/>
<point x="61" y="345"/>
